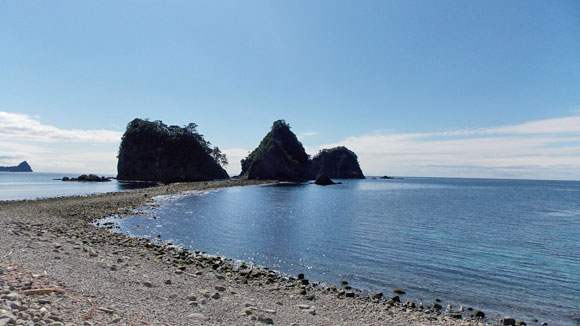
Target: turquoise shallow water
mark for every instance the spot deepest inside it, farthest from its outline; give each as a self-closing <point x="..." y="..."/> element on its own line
<point x="507" y="247"/>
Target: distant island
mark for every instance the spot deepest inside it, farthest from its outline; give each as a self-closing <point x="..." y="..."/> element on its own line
<point x="22" y="167"/>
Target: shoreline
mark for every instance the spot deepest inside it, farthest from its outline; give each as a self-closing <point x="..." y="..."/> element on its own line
<point x="165" y="285"/>
<point x="111" y="223"/>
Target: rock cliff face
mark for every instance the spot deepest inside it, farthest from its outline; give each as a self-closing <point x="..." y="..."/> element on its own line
<point x="153" y="151"/>
<point x="22" y="167"/>
<point x="280" y="156"/>
<point x="336" y="163"/>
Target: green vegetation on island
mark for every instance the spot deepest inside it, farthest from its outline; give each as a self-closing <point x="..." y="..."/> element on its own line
<point x="338" y="162"/>
<point x="153" y="151"/>
<point x="281" y="156"/>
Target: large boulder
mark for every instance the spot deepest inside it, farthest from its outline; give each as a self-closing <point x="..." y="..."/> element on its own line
<point x="153" y="151"/>
<point x="337" y="163"/>
<point x="280" y="156"/>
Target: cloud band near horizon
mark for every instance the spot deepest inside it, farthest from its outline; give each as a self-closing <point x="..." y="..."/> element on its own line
<point x="541" y="149"/>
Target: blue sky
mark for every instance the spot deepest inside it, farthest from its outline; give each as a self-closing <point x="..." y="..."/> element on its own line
<point x="73" y="74"/>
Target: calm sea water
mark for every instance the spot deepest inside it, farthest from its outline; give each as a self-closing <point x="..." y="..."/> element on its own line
<point x="32" y="185"/>
<point x="507" y="247"/>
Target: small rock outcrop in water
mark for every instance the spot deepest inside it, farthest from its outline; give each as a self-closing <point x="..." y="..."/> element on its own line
<point x="87" y="178"/>
<point x="338" y="163"/>
<point x="22" y="167"/>
<point x="153" y="151"/>
<point x="324" y="180"/>
<point x="280" y="156"/>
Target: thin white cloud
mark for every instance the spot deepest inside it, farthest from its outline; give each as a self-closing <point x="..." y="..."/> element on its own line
<point x="308" y="134"/>
<point x="537" y="127"/>
<point x="548" y="126"/>
<point x="24" y="127"/>
<point x="538" y="149"/>
<point x="21" y="147"/>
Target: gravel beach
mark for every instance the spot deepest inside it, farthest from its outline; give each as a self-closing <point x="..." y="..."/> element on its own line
<point x="56" y="268"/>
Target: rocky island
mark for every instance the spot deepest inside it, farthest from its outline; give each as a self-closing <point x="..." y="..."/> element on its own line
<point x="87" y="178"/>
<point x="338" y="162"/>
<point x="22" y="167"/>
<point x="153" y="151"/>
<point x="324" y="180"/>
<point x="280" y="156"/>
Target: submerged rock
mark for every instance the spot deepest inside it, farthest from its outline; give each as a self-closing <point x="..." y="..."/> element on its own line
<point x="477" y="314"/>
<point x="399" y="291"/>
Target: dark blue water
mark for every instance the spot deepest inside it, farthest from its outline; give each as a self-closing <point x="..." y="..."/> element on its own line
<point x="32" y="185"/>
<point x="507" y="247"/>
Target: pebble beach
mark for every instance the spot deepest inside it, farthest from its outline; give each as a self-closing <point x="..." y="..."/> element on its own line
<point x="57" y="268"/>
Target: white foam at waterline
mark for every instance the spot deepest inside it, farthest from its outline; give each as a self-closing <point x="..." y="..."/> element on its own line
<point x="165" y="199"/>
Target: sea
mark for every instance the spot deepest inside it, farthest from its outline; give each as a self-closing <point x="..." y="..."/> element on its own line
<point x="505" y="247"/>
<point x="34" y="185"/>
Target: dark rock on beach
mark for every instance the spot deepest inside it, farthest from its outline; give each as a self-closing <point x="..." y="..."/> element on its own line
<point x="153" y="151"/>
<point x="477" y="314"/>
<point x="22" y="167"/>
<point x="508" y="321"/>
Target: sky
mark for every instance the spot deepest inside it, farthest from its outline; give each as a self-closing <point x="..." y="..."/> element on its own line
<point x="486" y="89"/>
